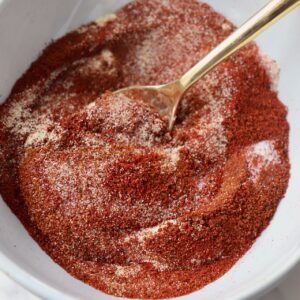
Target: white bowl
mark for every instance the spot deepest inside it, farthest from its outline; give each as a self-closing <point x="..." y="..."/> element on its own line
<point x="25" y="27"/>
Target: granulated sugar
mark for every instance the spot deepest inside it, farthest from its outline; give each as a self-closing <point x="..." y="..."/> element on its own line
<point x="272" y="69"/>
<point x="260" y="156"/>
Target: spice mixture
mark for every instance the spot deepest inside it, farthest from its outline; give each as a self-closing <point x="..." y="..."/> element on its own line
<point x="98" y="181"/>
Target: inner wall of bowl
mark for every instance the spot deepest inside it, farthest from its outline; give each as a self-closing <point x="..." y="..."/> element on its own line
<point x="26" y="26"/>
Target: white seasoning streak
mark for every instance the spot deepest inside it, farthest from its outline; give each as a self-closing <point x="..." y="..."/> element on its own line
<point x="273" y="70"/>
<point x="152" y="231"/>
<point x="260" y="156"/>
<point x="125" y="271"/>
<point x="105" y="19"/>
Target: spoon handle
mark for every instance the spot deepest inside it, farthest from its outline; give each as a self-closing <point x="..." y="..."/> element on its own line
<point x="267" y="16"/>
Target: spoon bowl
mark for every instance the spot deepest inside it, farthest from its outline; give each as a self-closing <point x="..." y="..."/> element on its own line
<point x="164" y="98"/>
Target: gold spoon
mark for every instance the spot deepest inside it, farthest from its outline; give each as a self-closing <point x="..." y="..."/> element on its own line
<point x="167" y="97"/>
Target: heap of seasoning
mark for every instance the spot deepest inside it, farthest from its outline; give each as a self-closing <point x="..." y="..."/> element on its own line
<point x="106" y="191"/>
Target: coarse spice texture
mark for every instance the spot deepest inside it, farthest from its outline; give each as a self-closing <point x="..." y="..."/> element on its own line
<point x="108" y="193"/>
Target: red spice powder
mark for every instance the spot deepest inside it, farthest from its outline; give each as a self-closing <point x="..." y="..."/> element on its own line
<point x="106" y="191"/>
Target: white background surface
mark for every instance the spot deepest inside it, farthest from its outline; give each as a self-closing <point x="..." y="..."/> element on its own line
<point x="289" y="289"/>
